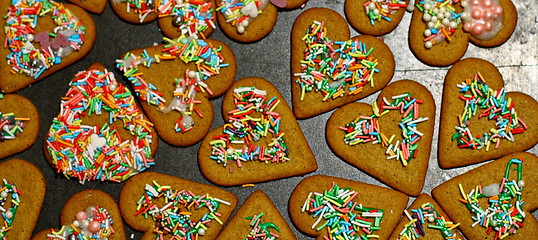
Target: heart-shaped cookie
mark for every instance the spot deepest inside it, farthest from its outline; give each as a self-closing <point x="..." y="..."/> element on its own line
<point x="439" y="33"/>
<point x="97" y="106"/>
<point x="194" y="18"/>
<point x="19" y="124"/>
<point x="425" y="219"/>
<point x="257" y="218"/>
<point x="399" y="123"/>
<point x="323" y="77"/>
<point x="374" y="17"/>
<point x="482" y="130"/>
<point x="150" y="197"/>
<point x="94" y="6"/>
<point x="90" y="213"/>
<point x="177" y="85"/>
<point x="372" y="209"/>
<point x="261" y="135"/>
<point x="30" y="50"/>
<point x="506" y="184"/>
<point x="22" y="191"/>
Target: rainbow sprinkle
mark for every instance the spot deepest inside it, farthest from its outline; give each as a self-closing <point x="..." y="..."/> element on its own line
<point x="22" y="19"/>
<point x="477" y="95"/>
<point x="241" y="12"/>
<point x="94" y="223"/>
<point x="378" y="10"/>
<point x="336" y="206"/>
<point x="504" y="214"/>
<point x="441" y="20"/>
<point x="334" y="67"/>
<point x="366" y="129"/>
<point x="8" y="215"/>
<point x="427" y="214"/>
<point x="252" y="119"/>
<point x="11" y="126"/>
<point x="99" y="152"/>
<point x="261" y="230"/>
<point x="175" y="217"/>
<point x="208" y="61"/>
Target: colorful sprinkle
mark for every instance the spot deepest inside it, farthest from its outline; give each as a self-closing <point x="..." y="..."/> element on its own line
<point x="241" y="12"/>
<point x="495" y="106"/>
<point x="334" y="67"/>
<point x="94" y="223"/>
<point x="11" y="126"/>
<point x="174" y="218"/>
<point x="261" y="230"/>
<point x="208" y="61"/>
<point x="427" y="214"/>
<point x="367" y="130"/>
<point x="336" y="207"/>
<point x="504" y="214"/>
<point x="441" y="20"/>
<point x="253" y="119"/>
<point x="22" y="19"/>
<point x="99" y="152"/>
<point x="378" y="10"/>
<point x="8" y="214"/>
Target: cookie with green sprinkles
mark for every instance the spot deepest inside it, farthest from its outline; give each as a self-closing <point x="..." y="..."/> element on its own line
<point x="374" y="17"/>
<point x="95" y="215"/>
<point x="329" y="68"/>
<point x="19" y="124"/>
<point x="185" y="209"/>
<point x="495" y="200"/>
<point x="322" y="205"/>
<point x="22" y="191"/>
<point x="261" y="135"/>
<point x="396" y="131"/>
<point x="258" y="218"/>
<point x="93" y="6"/>
<point x="480" y="119"/>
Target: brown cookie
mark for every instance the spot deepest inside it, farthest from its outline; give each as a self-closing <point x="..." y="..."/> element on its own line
<point x="453" y="152"/>
<point x="312" y="103"/>
<point x="447" y="53"/>
<point x="10" y="81"/>
<point x="17" y="112"/>
<point x="359" y="17"/>
<point x="257" y="207"/>
<point x="94" y="6"/>
<point x="112" y="133"/>
<point x="350" y="136"/>
<point x="367" y="200"/>
<point x="239" y="155"/>
<point x="163" y="74"/>
<point x="422" y="208"/>
<point x="258" y="25"/>
<point x="89" y="201"/>
<point x="173" y="27"/>
<point x="31" y="187"/>
<point x="135" y="190"/>
<point x="449" y="196"/>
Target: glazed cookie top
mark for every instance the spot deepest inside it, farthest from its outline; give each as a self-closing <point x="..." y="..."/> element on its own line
<point x="375" y="17"/>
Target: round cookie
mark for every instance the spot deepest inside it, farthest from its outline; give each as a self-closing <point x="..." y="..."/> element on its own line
<point x="18" y="117"/>
<point x="93" y="6"/>
<point x="361" y="19"/>
<point x="252" y="27"/>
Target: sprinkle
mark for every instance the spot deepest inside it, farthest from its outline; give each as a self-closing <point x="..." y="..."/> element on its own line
<point x="8" y="189"/>
<point x="247" y="185"/>
<point x="382" y="9"/>
<point x="99" y="226"/>
<point x="11" y="126"/>
<point x="261" y="230"/>
<point x="334" y="68"/>
<point x="440" y="19"/>
<point x="240" y="13"/>
<point x="427" y="214"/>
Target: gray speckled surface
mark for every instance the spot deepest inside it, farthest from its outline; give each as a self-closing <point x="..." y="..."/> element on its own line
<point x="517" y="60"/>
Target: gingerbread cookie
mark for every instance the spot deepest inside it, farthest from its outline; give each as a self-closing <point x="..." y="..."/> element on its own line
<point x="480" y="119"/>
<point x="261" y="135"/>
<point x="177" y="85"/>
<point x="425" y="219"/>
<point x="494" y="201"/>
<point x="400" y="126"/>
<point x="258" y="218"/>
<point x="185" y="208"/>
<point x="94" y="6"/>
<point x="22" y="191"/>
<point x="193" y="18"/>
<point x="372" y="209"/>
<point x="60" y="35"/>
<point x="440" y="32"/>
<point x="375" y="17"/>
<point x="92" y="214"/>
<point x="19" y="124"/>
<point x="100" y="132"/>
<point x="325" y="77"/>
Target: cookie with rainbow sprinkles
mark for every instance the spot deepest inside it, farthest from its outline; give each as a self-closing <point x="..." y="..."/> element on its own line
<point x="19" y="124"/>
<point x="375" y="17"/>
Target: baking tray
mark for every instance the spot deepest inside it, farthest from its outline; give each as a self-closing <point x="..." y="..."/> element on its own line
<point x="517" y="60"/>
